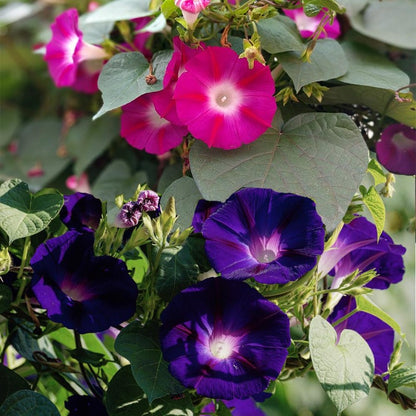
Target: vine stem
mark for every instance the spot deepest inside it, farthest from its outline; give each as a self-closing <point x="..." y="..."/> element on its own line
<point x="23" y="280"/>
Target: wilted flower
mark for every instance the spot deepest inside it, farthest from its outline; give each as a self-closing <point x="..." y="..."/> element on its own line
<point x="129" y="215"/>
<point x="396" y="149"/>
<point x="357" y="248"/>
<point x="79" y="290"/>
<point x="222" y="101"/>
<point x="379" y="336"/>
<point x="224" y="339"/>
<point x="148" y="201"/>
<point x="203" y="210"/>
<point x="270" y="236"/>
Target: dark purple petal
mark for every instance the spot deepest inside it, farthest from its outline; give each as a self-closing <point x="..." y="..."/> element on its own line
<point x="85" y="406"/>
<point x="81" y="210"/>
<point x="246" y="407"/>
<point x="203" y="210"/>
<point x="79" y="290"/>
<point x="224" y="339"/>
<point x="260" y="233"/>
<point x="379" y="336"/>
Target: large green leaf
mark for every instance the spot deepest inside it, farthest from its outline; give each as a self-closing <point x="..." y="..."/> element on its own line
<point x="10" y="382"/>
<point x="367" y="67"/>
<point x="88" y="139"/>
<point x="381" y="100"/>
<point x="23" y="214"/>
<point x="140" y="345"/>
<point x="280" y="34"/>
<point x="401" y="376"/>
<point x="186" y="195"/>
<point x="318" y="155"/>
<point x="327" y="61"/>
<point x="28" y="403"/>
<point x="125" y="398"/>
<point x="9" y="122"/>
<point x="345" y="368"/>
<point x="389" y="21"/>
<point x="123" y="78"/>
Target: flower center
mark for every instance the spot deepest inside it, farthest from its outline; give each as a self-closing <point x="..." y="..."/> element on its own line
<point x="265" y="256"/>
<point x="221" y="347"/>
<point x="225" y="98"/>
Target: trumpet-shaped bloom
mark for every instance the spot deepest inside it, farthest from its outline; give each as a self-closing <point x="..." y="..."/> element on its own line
<point x="246" y="407"/>
<point x="79" y="290"/>
<point x="396" y="149"/>
<point x="190" y="9"/>
<point x="379" y="336"/>
<point x="222" y="101"/>
<point x="308" y="25"/>
<point x="144" y="128"/>
<point x="357" y="248"/>
<point x="271" y="236"/>
<point x="203" y="210"/>
<point x="224" y="339"/>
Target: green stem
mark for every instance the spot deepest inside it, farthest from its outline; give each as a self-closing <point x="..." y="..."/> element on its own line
<point x="23" y="280"/>
<point x="345" y="317"/>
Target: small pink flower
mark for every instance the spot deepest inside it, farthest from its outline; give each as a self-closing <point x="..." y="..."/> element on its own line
<point x="144" y="128"/>
<point x="308" y="25"/>
<point x="78" y="183"/>
<point x="190" y="9"/>
<point x="396" y="149"/>
<point x="222" y="101"/>
<point x="71" y="61"/>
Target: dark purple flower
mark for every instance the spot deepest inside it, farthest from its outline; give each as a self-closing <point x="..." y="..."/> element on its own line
<point x="81" y="210"/>
<point x="273" y="237"/>
<point x="246" y="407"/>
<point x="148" y="201"/>
<point x="396" y="149"/>
<point x="224" y="339"/>
<point x="357" y="248"/>
<point x="85" y="406"/>
<point x="129" y="215"/>
<point x="79" y="290"/>
<point x="203" y="210"/>
<point x="379" y="336"/>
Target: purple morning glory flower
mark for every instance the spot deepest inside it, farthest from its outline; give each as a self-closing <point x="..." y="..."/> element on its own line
<point x="81" y="211"/>
<point x="224" y="339"/>
<point x="246" y="407"/>
<point x="271" y="236"/>
<point x="85" y="406"/>
<point x="379" y="336"/>
<point x="79" y="290"/>
<point x="203" y="210"/>
<point x="129" y="215"/>
<point x="148" y="201"/>
<point x="357" y="248"/>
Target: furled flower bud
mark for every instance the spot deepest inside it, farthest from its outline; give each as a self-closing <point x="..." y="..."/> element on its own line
<point x="190" y="9"/>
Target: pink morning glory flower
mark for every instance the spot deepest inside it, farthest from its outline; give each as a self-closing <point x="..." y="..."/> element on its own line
<point x="72" y="62"/>
<point x="308" y="25"/>
<point x="144" y="128"/>
<point x="190" y="9"/>
<point x="396" y="149"/>
<point x="222" y="101"/>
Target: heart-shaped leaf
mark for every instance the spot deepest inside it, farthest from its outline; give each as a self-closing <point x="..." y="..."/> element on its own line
<point x="23" y="214"/>
<point x="28" y="403"/>
<point x="345" y="368"/>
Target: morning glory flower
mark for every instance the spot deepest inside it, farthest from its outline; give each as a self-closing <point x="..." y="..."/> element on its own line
<point x="246" y="407"/>
<point x="270" y="236"/>
<point x="224" y="339"/>
<point x="85" y="406"/>
<point x="129" y="215"/>
<point x="357" y="248"/>
<point x="148" y="201"/>
<point x="190" y="9"/>
<point x="396" y="149"/>
<point x="222" y="101"/>
<point x="79" y="290"/>
<point x="72" y="62"/>
<point x="379" y="336"/>
<point x="203" y="210"/>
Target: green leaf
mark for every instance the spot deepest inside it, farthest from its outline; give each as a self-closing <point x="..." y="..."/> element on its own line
<point x="122" y="79"/>
<point x="120" y="10"/>
<point x="327" y="61"/>
<point x="186" y="195"/>
<point x="401" y="376"/>
<point x="9" y="122"/>
<point x="321" y="156"/>
<point x="379" y="100"/>
<point x="140" y="345"/>
<point x="376" y="171"/>
<point x="156" y="25"/>
<point x="28" y="403"/>
<point x="365" y="305"/>
<point x="280" y="34"/>
<point x="345" y="368"/>
<point x="169" y="175"/>
<point x="329" y="4"/>
<point x="368" y="67"/>
<point x="23" y="214"/>
<point x="95" y="33"/>
<point x="375" y="205"/>
<point x="391" y="22"/>
<point x="10" y="382"/>
<point x="85" y="356"/>
<point x="168" y="7"/>
<point x="87" y="140"/>
<point x="6" y="297"/>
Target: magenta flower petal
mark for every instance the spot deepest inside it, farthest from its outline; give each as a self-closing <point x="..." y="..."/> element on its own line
<point x="396" y="149"/>
<point x="224" y="339"/>
<point x="143" y="128"/>
<point x="79" y="290"/>
<point x="219" y="99"/>
<point x="192" y="6"/>
<point x="379" y="336"/>
<point x="270" y="236"/>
